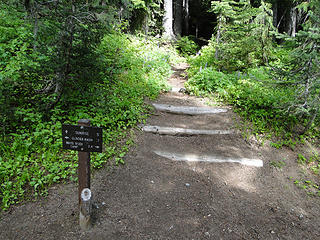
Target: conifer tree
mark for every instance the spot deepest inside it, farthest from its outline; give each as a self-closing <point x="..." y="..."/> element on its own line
<point x="243" y="34"/>
<point x="302" y="71"/>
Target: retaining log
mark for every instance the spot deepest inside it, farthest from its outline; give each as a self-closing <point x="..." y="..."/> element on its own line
<point x="188" y="110"/>
<point x="183" y="131"/>
<point x="189" y="157"/>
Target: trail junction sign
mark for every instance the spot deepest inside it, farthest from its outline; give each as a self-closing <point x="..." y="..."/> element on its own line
<point x="82" y="138"/>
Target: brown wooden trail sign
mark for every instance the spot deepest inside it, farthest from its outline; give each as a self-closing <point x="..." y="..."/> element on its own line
<point x="84" y="139"/>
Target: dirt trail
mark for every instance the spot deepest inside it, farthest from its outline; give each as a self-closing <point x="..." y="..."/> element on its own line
<point x="153" y="197"/>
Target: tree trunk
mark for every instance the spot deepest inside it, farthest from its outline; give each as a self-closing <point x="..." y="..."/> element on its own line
<point x="186" y="16"/>
<point x="275" y="14"/>
<point x="216" y="55"/>
<point x="178" y="17"/>
<point x="290" y="20"/>
<point x="27" y="5"/>
<point x="197" y="30"/>
<point x="168" y="20"/>
<point x="36" y="27"/>
<point x="145" y="24"/>
<point x="293" y="21"/>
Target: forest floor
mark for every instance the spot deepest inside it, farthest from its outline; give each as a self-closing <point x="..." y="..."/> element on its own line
<point x="154" y="197"/>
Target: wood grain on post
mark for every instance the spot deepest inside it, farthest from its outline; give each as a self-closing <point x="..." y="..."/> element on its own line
<point x="84" y="165"/>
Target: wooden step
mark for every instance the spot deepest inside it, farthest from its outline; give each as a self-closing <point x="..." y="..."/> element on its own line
<point x="189" y="157"/>
<point x="183" y="131"/>
<point x="188" y="110"/>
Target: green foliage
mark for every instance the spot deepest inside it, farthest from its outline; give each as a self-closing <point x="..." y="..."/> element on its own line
<point x="312" y="188"/>
<point x="312" y="163"/>
<point x="229" y="68"/>
<point x="247" y="92"/>
<point x="243" y="39"/>
<point x="16" y="60"/>
<point x="46" y="53"/>
<point x="146" y="17"/>
<point x="277" y="164"/>
<point x="301" y="69"/>
<point x="205" y="59"/>
<point x="287" y="140"/>
<point x="186" y="46"/>
<point x="31" y="159"/>
<point x="301" y="159"/>
<point x="210" y="80"/>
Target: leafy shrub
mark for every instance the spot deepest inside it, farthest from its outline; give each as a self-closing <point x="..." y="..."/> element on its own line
<point x="208" y="80"/>
<point x="186" y="46"/>
<point x="205" y="59"/>
<point x="248" y="92"/>
<point x="16" y="63"/>
<point x="31" y="159"/>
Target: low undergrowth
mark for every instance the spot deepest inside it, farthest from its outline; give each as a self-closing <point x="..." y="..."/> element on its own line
<point x="251" y="96"/>
<point x="311" y="173"/>
<point x="31" y="155"/>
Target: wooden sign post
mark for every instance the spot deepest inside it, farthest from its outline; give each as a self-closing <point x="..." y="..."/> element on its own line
<point x="84" y="165"/>
<point x="84" y="139"/>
